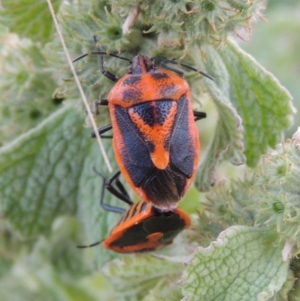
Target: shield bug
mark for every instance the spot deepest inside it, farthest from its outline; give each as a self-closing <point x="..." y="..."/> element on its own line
<point x="155" y="138"/>
<point x="142" y="228"/>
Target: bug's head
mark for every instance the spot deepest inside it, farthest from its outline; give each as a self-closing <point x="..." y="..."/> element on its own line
<point x="141" y="64"/>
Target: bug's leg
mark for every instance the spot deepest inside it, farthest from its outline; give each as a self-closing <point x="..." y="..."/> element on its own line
<point x="101" y="102"/>
<point x="98" y="103"/>
<point x="123" y="190"/>
<point x="119" y="191"/>
<point x="102" y="130"/>
<point x="108" y="207"/>
<point x="106" y="73"/>
<point x="199" y="115"/>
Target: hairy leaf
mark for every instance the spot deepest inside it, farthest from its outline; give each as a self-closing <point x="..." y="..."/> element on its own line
<point x="23" y="17"/>
<point x="242" y="264"/>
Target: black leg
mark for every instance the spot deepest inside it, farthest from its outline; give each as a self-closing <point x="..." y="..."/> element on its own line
<point x="107" y="184"/>
<point x="98" y="103"/>
<point x="106" y="73"/>
<point x="119" y="191"/>
<point x="199" y="115"/>
<point x="106" y="136"/>
<point x="101" y="102"/>
<point x="123" y="190"/>
<point x="102" y="130"/>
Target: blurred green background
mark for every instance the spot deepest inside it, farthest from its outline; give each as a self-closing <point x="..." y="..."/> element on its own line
<point x="275" y="44"/>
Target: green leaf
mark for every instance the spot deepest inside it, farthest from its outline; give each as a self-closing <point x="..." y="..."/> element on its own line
<point x="43" y="282"/>
<point x="283" y="21"/>
<point x="60" y="248"/>
<point x="253" y="110"/>
<point x="46" y="273"/>
<point x="136" y="276"/>
<point x="28" y="86"/>
<point x="244" y="263"/>
<point x="10" y="247"/>
<point x="47" y="172"/>
<point x="23" y="17"/>
<point x="39" y="171"/>
<point x="227" y="141"/>
<point x="289" y="289"/>
<point x="226" y="136"/>
<point x="165" y="289"/>
<point x="264" y="105"/>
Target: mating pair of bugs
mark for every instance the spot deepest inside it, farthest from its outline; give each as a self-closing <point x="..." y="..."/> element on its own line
<point x="156" y="145"/>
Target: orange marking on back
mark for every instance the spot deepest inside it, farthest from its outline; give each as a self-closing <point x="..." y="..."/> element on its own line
<point x="158" y="134"/>
<point x="155" y="237"/>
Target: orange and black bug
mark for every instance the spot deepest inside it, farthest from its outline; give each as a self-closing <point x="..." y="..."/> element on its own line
<point x="142" y="228"/>
<point x="155" y="137"/>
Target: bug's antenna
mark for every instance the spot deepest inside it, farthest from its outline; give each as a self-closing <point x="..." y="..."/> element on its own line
<point x="101" y="53"/>
<point x="175" y="62"/>
<point x="91" y="245"/>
